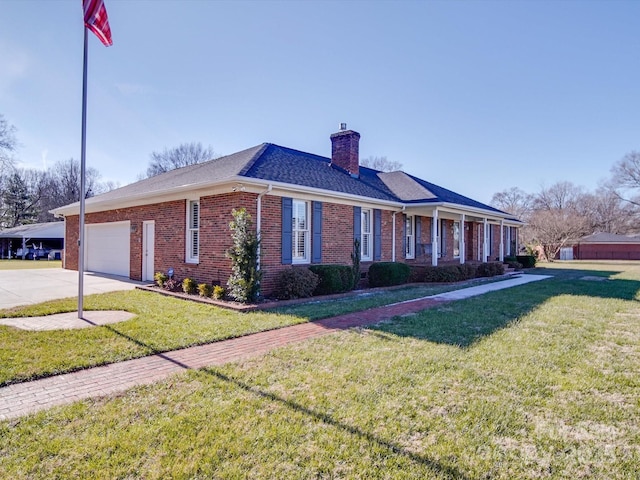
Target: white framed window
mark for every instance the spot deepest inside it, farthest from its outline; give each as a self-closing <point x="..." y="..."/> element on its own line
<point x="410" y="238"/>
<point x="366" y="238"/>
<point x="301" y="234"/>
<point x="193" y="231"/>
<point x="456" y="239"/>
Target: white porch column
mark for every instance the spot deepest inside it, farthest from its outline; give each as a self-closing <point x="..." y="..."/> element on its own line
<point x="463" y="252"/>
<point x="501" y="240"/>
<point x="485" y="241"/>
<point x="434" y="239"/>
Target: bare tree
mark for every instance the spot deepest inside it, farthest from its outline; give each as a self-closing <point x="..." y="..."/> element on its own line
<point x="560" y="196"/>
<point x="625" y="177"/>
<point x="62" y="186"/>
<point x="553" y="229"/>
<point x="515" y="201"/>
<point x="381" y="163"/>
<point x="607" y="213"/>
<point x="8" y="144"/>
<point x="181" y="156"/>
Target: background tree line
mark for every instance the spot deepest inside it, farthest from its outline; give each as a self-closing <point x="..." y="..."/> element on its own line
<point x="28" y="194"/>
<point x="563" y="212"/>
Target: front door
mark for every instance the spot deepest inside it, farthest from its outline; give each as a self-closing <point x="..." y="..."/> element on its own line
<point x="148" y="242"/>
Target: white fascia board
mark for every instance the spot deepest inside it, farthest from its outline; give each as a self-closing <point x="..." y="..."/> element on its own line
<point x="460" y="209"/>
<point x="181" y="192"/>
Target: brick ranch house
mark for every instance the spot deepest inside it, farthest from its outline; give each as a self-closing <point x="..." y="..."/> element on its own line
<point x="307" y="208"/>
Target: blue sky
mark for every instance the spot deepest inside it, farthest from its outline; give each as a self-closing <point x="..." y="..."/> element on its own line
<point x="477" y="96"/>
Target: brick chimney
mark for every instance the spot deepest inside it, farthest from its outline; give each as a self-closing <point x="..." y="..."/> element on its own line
<point x="344" y="150"/>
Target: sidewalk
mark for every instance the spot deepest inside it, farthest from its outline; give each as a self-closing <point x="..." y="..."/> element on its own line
<point x="29" y="397"/>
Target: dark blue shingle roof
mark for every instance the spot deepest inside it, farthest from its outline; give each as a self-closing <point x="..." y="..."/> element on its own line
<point x="286" y="165"/>
<point x="281" y="164"/>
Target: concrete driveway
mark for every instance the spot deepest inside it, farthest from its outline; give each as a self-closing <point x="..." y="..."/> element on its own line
<point x="24" y="287"/>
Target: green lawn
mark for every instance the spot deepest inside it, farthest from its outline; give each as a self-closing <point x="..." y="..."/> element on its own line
<point x="28" y="264"/>
<point x="538" y="381"/>
<point x="162" y="324"/>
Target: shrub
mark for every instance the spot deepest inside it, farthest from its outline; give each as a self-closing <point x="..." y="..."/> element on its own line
<point x="468" y="271"/>
<point x="296" y="283"/>
<point x="527" y="261"/>
<point x="384" y="274"/>
<point x="355" y="261"/>
<point x="189" y="285"/>
<point x="205" y="290"/>
<point x="514" y="264"/>
<point x="333" y="278"/>
<point x="218" y="292"/>
<point x="244" y="282"/>
<point x="160" y="278"/>
<point x="490" y="269"/>
<point x="417" y="273"/>
<point x="172" y="284"/>
<point x="444" y="274"/>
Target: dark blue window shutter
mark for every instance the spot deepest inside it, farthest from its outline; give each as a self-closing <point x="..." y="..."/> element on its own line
<point x="316" y="244"/>
<point x="377" y="234"/>
<point x="443" y="238"/>
<point x="404" y="236"/>
<point x="418" y="233"/>
<point x="287" y="230"/>
<point x="357" y="224"/>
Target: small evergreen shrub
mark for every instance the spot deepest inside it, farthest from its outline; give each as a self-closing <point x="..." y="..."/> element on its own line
<point x="296" y="283"/>
<point x="444" y="274"/>
<point x="468" y="271"/>
<point x="244" y="282"/>
<point x="355" y="263"/>
<point x="205" y="290"/>
<point x="333" y="278"/>
<point x="527" y="261"/>
<point x="384" y="274"/>
<point x="160" y="278"/>
<point x="218" y="292"/>
<point x="417" y="273"/>
<point x="490" y="269"/>
<point x="514" y="264"/>
<point x="189" y="286"/>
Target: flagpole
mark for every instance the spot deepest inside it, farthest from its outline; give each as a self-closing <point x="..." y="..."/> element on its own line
<point x="82" y="180"/>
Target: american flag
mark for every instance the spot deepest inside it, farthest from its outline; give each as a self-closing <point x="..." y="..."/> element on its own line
<point x="96" y="20"/>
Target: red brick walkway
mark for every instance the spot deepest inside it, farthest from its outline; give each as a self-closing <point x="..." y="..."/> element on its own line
<point x="24" y="398"/>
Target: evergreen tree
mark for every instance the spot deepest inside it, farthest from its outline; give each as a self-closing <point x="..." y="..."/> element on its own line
<point x="244" y="283"/>
<point x="18" y="204"/>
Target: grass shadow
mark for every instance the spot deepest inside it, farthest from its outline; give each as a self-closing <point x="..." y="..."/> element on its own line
<point x="463" y="323"/>
<point x="391" y="447"/>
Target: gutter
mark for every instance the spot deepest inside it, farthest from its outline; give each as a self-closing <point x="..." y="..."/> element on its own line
<point x="259" y="218"/>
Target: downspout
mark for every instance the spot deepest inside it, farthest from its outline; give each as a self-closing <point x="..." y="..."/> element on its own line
<point x="501" y="258"/>
<point x="259" y="218"/>
<point x="393" y="234"/>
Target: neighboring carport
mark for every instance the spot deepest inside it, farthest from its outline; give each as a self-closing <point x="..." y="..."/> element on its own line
<point x="38" y="235"/>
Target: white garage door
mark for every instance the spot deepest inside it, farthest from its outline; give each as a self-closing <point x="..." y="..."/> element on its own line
<point x="107" y="248"/>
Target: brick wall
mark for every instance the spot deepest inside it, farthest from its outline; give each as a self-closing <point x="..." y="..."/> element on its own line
<point x="215" y="236"/>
